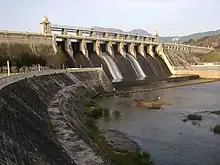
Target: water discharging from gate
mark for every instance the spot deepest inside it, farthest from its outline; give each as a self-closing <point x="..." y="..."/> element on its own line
<point x="116" y="74"/>
<point x="136" y="66"/>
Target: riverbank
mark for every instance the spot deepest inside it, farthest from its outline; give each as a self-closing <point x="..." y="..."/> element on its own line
<point x="162" y="132"/>
<point x="117" y="147"/>
<point x="159" y="86"/>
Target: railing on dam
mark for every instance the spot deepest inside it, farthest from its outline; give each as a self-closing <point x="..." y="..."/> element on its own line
<point x="90" y="33"/>
<point x="105" y="39"/>
<point x="6" y="80"/>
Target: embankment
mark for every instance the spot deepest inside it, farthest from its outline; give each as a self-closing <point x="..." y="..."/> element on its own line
<point x="40" y="127"/>
<point x="203" y="73"/>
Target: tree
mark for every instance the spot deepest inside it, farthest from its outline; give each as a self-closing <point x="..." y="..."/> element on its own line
<point x="3" y="55"/>
<point x="21" y="55"/>
<point x="57" y="60"/>
<point x="40" y="60"/>
<point x="15" y="52"/>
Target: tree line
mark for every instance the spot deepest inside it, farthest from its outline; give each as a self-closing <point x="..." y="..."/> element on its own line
<point x="22" y="56"/>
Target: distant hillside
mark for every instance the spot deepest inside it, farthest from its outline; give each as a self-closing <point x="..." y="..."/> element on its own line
<point x="191" y="36"/>
<point x="107" y="29"/>
<point x="135" y="31"/>
<point x="164" y="39"/>
<point x="140" y="32"/>
<point x="213" y="41"/>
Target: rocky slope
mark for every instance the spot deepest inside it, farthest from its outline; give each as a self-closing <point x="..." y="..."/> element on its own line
<point x="36" y="131"/>
<point x="191" y="36"/>
<point x="213" y="41"/>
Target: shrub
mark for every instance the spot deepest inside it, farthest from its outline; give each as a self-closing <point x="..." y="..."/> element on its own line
<point x="216" y="112"/>
<point x="216" y="129"/>
<point x="194" y="117"/>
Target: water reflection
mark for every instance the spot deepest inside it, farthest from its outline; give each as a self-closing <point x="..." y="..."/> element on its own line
<point x="169" y="140"/>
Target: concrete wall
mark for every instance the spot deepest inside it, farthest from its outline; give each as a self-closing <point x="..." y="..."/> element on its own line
<point x="36" y="42"/>
<point x="25" y="38"/>
<point x="34" y="127"/>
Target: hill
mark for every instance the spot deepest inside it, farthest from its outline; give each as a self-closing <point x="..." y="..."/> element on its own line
<point x="140" y="32"/>
<point x="191" y="36"/>
<point x="213" y="41"/>
<point x="107" y="29"/>
<point x="164" y="39"/>
<point x="135" y="31"/>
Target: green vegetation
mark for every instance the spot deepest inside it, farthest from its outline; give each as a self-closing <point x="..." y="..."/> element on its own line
<point x="193" y="117"/>
<point x="113" y="155"/>
<point x="213" y="56"/>
<point x="216" y="129"/>
<point x="24" y="55"/>
<point x="215" y="112"/>
<point x="93" y="110"/>
<point x="56" y="61"/>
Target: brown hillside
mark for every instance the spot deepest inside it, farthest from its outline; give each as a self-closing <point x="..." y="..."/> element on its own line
<point x="213" y="41"/>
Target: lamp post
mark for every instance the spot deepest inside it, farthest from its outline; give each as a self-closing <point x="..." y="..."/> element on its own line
<point x="8" y="67"/>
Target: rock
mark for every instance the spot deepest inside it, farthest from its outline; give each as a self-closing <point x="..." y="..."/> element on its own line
<point x="107" y="113"/>
<point x="120" y="140"/>
<point x="117" y="114"/>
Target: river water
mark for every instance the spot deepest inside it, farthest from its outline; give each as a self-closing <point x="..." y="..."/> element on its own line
<point x="162" y="133"/>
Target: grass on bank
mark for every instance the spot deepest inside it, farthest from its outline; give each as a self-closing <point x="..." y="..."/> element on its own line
<point x="213" y="56"/>
<point x="113" y="155"/>
<point x="193" y="117"/>
<point x="215" y="112"/>
<point x="216" y="129"/>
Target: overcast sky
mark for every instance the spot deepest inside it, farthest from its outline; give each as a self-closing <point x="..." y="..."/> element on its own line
<point x="168" y="17"/>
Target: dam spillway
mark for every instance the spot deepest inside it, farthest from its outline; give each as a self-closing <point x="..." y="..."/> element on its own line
<point x="133" y="57"/>
<point x="118" y="56"/>
<point x="136" y="66"/>
<point x="116" y="73"/>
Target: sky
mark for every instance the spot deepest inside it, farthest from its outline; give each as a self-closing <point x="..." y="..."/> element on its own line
<point x="168" y="17"/>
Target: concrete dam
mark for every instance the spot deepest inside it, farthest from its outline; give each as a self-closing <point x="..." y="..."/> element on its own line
<point x="41" y="116"/>
<point x="121" y="61"/>
<point x="123" y="56"/>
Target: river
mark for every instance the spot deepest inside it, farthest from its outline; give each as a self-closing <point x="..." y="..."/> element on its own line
<point x="162" y="133"/>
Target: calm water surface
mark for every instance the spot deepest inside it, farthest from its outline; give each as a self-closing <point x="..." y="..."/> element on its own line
<point x="169" y="140"/>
